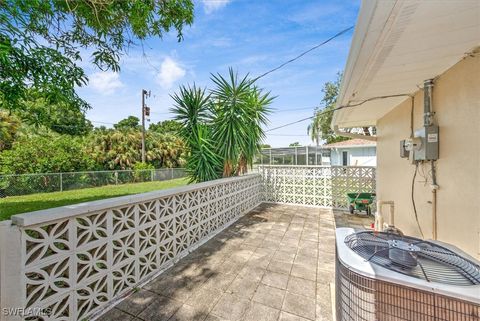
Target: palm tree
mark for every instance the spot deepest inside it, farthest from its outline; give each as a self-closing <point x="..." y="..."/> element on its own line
<point x="165" y="150"/>
<point x="315" y="127"/>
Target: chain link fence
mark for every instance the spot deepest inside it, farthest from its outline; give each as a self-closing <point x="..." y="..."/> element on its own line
<point x="11" y="185"/>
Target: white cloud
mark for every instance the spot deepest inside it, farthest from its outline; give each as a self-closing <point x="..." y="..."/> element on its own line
<point x="105" y="82"/>
<point x="170" y="72"/>
<point x="214" y="5"/>
<point x="221" y="42"/>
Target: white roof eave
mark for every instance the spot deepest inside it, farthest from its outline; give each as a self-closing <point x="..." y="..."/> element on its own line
<point x="396" y="46"/>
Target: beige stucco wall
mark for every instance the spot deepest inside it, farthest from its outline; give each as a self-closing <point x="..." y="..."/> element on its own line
<point x="456" y="101"/>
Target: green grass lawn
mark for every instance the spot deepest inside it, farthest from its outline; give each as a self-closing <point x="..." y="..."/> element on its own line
<point x="34" y="202"/>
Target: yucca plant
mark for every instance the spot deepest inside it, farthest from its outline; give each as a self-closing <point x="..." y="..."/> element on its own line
<point x="223" y="130"/>
<point x="192" y="110"/>
<point x="231" y="118"/>
<point x="240" y="110"/>
<point x="203" y="163"/>
<point x="258" y="103"/>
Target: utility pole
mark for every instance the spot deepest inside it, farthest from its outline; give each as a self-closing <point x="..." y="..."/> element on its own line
<point x="145" y="112"/>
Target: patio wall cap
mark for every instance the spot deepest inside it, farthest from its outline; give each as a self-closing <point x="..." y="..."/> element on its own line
<point x="6" y="223"/>
<point x="316" y="166"/>
<point x="53" y="214"/>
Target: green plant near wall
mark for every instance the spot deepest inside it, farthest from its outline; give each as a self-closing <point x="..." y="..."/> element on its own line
<point x="192" y="110"/>
<point x="222" y="128"/>
<point x="142" y="172"/>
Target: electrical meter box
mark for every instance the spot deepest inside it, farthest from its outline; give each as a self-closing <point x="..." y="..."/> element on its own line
<point x="404" y="152"/>
<point x="430" y="142"/>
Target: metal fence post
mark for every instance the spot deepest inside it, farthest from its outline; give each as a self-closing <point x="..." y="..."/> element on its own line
<point x="61" y="182"/>
<point x="116" y="177"/>
<point x="306" y="155"/>
<point x="171" y="170"/>
<point x="151" y="174"/>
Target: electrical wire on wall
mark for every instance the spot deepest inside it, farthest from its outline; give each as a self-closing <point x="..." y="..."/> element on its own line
<point x="412" y="113"/>
<point x="339" y="108"/>
<point x="413" y="200"/>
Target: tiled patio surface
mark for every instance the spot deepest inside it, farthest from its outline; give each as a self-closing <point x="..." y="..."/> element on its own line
<point x="275" y="263"/>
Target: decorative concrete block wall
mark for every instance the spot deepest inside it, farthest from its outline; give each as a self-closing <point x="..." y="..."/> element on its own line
<point x="69" y="262"/>
<point x="325" y="186"/>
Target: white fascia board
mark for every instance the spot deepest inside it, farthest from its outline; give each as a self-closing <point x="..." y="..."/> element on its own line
<point x="398" y="45"/>
<point x="365" y="39"/>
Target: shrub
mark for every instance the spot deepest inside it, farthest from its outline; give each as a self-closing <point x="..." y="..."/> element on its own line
<point x="43" y="154"/>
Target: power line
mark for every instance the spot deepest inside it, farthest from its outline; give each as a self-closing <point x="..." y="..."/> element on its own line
<point x="276" y="110"/>
<point x="66" y="126"/>
<point x="261" y="76"/>
<point x="297" y="121"/>
<point x="292" y="123"/>
<point x="338" y="108"/>
<point x="304" y="53"/>
<point x="280" y="110"/>
<point x="276" y="68"/>
<point x="101" y="122"/>
<point x="158" y="113"/>
<point x="288" y="135"/>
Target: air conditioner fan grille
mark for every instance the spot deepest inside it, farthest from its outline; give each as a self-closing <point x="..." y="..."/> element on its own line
<point x="414" y="257"/>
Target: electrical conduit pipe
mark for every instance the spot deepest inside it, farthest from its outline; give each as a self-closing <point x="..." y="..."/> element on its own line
<point x="379" y="220"/>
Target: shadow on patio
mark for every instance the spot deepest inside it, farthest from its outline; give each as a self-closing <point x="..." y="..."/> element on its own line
<point x="275" y="263"/>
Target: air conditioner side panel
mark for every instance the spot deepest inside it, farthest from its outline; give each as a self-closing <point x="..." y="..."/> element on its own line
<point x="360" y="298"/>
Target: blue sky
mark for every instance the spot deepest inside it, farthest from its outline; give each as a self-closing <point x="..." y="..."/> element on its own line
<point x="250" y="36"/>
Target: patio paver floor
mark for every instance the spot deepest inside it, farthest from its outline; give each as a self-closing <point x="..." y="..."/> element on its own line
<point x="275" y="263"/>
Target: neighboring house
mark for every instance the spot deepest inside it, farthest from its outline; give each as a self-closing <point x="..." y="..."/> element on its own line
<point x="397" y="46"/>
<point x="353" y="152"/>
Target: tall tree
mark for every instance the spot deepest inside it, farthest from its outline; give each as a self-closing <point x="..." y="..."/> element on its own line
<point x="37" y="112"/>
<point x="166" y="127"/>
<point x="319" y="129"/>
<point x="41" y="42"/>
<point x="131" y="122"/>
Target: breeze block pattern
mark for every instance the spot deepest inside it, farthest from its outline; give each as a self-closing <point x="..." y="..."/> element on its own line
<point x="325" y="186"/>
<point x="75" y="262"/>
